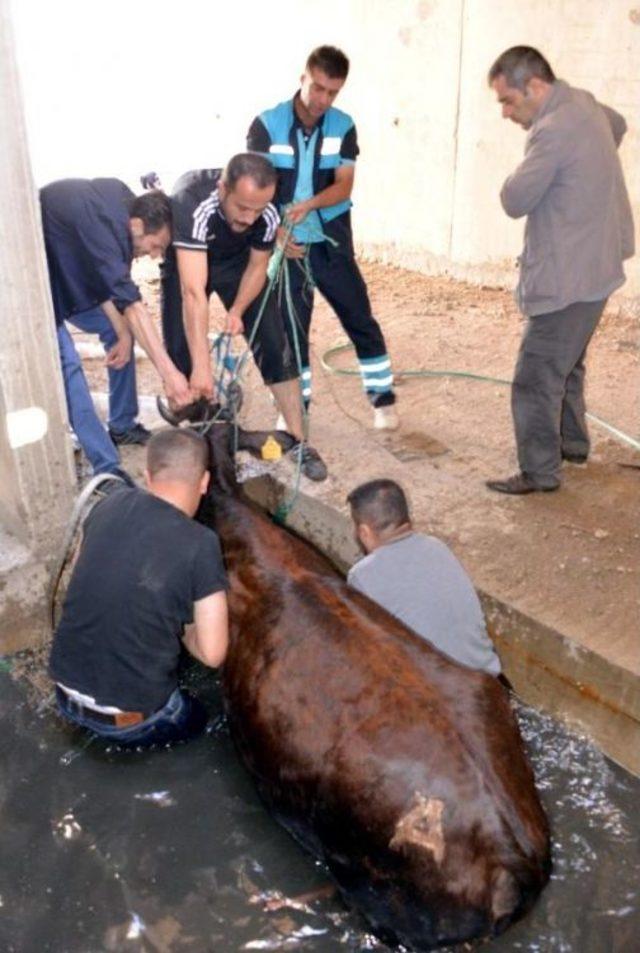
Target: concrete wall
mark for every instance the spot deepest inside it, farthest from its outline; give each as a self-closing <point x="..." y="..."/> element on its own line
<point x="435" y="150"/>
<point x="36" y="471"/>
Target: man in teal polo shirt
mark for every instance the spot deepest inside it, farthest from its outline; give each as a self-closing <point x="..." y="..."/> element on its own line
<point x="314" y="147"/>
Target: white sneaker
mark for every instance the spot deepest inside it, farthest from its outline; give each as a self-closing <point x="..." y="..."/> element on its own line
<point x="385" y="418"/>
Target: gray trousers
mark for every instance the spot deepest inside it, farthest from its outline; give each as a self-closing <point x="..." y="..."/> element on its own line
<point x="547" y="395"/>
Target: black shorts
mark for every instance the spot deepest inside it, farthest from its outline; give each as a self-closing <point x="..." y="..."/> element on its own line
<point x="271" y="350"/>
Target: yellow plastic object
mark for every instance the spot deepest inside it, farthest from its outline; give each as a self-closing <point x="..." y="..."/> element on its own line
<point x="271" y="449"/>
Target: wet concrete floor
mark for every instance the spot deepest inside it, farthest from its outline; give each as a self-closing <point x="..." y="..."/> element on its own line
<point x="172" y="850"/>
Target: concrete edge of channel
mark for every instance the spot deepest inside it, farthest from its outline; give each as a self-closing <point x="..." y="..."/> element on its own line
<point x="547" y="669"/>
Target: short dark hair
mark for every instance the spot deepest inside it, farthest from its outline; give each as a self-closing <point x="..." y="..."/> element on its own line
<point x="380" y="504"/>
<point x="254" y="166"/>
<point x="154" y="209"/>
<point x="330" y="60"/>
<point x="518" y="65"/>
<point x="175" y="454"/>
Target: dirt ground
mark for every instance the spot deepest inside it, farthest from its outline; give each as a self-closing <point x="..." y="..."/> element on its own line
<point x="570" y="558"/>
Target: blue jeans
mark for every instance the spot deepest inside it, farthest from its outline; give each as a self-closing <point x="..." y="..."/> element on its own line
<point x="181" y="718"/>
<point x="123" y="400"/>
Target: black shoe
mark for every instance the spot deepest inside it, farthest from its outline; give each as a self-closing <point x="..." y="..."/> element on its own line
<point x="311" y="463"/>
<point x="518" y="485"/>
<point x="575" y="457"/>
<point x="136" y="435"/>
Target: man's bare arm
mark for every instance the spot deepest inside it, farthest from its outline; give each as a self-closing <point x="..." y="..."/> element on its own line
<point x="122" y="351"/>
<point x="144" y="330"/>
<point x="340" y="191"/>
<point x="208" y="638"/>
<point x="251" y="284"/>
<point x="193" y="269"/>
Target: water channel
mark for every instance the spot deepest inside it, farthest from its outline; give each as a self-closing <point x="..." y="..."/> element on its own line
<point x="172" y="851"/>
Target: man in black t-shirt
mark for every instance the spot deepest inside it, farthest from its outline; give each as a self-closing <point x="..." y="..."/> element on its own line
<point x="224" y="233"/>
<point x="148" y="579"/>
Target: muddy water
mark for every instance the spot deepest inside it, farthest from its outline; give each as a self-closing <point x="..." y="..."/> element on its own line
<point x="171" y="850"/>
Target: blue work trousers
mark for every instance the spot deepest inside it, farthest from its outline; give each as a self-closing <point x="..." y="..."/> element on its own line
<point x="338" y="279"/>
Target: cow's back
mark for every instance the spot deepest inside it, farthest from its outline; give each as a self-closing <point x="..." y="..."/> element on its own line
<point x="403" y="770"/>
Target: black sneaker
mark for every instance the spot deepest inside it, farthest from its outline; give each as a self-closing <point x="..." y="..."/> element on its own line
<point x="136" y="435"/>
<point x="311" y="463"/>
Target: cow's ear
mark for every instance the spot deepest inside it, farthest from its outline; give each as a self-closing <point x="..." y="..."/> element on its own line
<point x="261" y="443"/>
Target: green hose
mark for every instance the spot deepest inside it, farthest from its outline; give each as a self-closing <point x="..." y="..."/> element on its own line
<point x="347" y="372"/>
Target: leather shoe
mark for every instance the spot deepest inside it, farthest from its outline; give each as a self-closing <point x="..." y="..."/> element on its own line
<point x="575" y="457"/>
<point x="518" y="485"/>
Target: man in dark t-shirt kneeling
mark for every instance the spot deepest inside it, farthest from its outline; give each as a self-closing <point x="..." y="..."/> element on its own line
<point x="148" y="579"/>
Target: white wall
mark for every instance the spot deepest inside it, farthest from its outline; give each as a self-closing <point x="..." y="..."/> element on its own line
<point x="134" y="85"/>
<point x="446" y="151"/>
<point x="592" y="44"/>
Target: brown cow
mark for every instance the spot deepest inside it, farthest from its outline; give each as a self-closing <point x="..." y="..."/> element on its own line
<point x="403" y="771"/>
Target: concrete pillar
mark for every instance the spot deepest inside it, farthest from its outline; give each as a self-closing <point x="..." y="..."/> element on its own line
<point x="37" y="479"/>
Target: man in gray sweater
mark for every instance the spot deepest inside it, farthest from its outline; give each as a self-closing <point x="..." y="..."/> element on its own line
<point x="578" y="232"/>
<point x="416" y="577"/>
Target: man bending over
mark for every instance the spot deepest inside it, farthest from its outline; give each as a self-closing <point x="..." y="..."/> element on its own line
<point x="224" y="233"/>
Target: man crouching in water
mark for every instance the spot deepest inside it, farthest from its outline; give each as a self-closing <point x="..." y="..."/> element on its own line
<point x="148" y="580"/>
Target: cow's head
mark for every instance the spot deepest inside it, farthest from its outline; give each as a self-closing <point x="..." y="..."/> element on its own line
<point x="225" y="437"/>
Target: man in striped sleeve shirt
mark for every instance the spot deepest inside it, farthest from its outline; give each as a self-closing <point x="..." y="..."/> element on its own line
<point x="314" y="147"/>
<point x="224" y="233"/>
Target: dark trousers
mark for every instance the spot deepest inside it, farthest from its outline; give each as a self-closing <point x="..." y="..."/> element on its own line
<point x="338" y="279"/>
<point x="547" y="395"/>
<point x="270" y="346"/>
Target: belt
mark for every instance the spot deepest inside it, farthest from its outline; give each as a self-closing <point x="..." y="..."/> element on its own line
<point x="120" y="719"/>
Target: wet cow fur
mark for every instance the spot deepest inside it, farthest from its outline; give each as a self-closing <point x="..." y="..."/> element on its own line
<point x="402" y="770"/>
